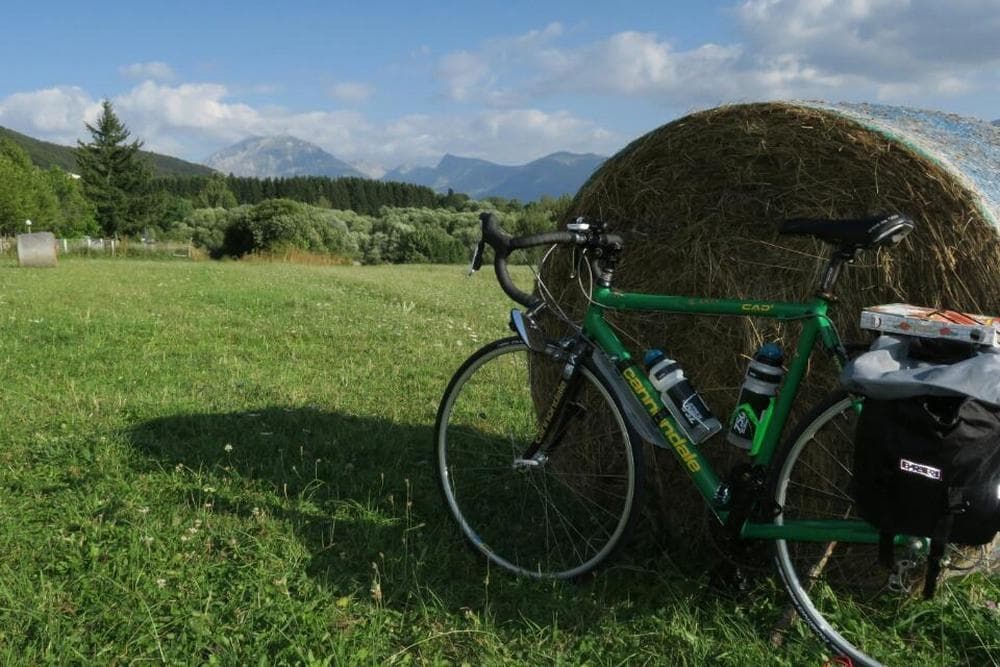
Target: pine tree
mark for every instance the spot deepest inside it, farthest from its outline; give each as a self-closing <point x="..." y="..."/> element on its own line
<point x="115" y="176"/>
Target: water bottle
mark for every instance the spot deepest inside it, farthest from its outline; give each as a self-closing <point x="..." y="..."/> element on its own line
<point x="760" y="386"/>
<point x="693" y="417"/>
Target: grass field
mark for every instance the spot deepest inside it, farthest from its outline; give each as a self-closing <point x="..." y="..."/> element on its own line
<point x="230" y="463"/>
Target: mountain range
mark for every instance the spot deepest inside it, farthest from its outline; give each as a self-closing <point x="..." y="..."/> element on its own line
<point x="286" y="156"/>
<point x="45" y="154"/>
<point x="553" y="175"/>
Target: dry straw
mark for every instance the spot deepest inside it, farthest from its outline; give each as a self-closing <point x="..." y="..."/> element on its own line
<point x="699" y="201"/>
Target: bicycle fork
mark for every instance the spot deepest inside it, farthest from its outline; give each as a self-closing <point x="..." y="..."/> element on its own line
<point x="563" y="409"/>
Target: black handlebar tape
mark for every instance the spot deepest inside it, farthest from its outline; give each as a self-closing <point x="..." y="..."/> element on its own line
<point x="498" y="239"/>
<point x="545" y="238"/>
<point x="519" y="243"/>
<point x="508" y="286"/>
<point x="503" y="244"/>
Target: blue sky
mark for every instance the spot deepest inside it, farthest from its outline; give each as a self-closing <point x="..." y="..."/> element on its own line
<point x="389" y="83"/>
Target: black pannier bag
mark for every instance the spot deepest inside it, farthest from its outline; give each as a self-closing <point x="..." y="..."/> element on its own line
<point x="929" y="466"/>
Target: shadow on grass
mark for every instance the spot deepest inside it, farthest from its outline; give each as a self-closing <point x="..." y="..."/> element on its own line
<point x="361" y="493"/>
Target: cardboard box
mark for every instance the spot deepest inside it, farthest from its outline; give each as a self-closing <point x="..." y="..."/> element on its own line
<point x="906" y="320"/>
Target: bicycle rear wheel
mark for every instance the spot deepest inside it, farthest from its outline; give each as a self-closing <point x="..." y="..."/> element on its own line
<point x="557" y="515"/>
<point x="839" y="588"/>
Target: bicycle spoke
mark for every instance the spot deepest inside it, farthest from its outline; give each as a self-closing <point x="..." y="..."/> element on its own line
<point x="587" y="501"/>
<point x="837" y="459"/>
<point x="565" y="524"/>
<point x="839" y="495"/>
<point x="557" y="515"/>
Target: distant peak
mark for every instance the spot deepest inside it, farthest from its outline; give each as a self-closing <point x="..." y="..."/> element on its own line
<point x="280" y="155"/>
<point x="449" y="159"/>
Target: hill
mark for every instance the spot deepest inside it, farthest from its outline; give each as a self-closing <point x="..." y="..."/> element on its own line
<point x="45" y="154"/>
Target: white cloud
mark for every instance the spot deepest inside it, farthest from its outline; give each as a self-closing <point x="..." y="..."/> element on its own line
<point x="896" y="51"/>
<point x="509" y="136"/>
<point x="195" y="119"/>
<point x="785" y="48"/>
<point x="633" y="63"/>
<point x="464" y="74"/>
<point x="155" y="70"/>
<point x="475" y="76"/>
<point x="192" y="107"/>
<point x="57" y="114"/>
<point x="879" y="40"/>
<point x="352" y="92"/>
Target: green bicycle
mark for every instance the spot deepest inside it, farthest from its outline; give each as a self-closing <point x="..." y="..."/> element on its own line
<point x="538" y="445"/>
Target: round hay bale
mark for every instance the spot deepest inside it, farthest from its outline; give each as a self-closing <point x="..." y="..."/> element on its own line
<point x="699" y="201"/>
<point x="37" y="249"/>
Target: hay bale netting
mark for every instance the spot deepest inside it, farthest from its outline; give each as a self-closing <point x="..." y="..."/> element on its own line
<point x="37" y="249"/>
<point x="699" y="200"/>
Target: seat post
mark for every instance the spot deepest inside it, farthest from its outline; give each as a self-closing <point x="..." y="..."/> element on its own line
<point x="841" y="256"/>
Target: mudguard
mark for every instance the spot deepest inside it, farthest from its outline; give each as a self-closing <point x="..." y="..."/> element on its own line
<point x="634" y="413"/>
<point x="606" y="371"/>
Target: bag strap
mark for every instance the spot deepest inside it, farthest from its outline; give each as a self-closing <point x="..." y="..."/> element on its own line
<point x="957" y="504"/>
<point x="938" y="543"/>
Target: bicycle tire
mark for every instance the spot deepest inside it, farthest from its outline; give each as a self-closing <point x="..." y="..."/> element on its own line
<point x="839" y="589"/>
<point x="560" y="519"/>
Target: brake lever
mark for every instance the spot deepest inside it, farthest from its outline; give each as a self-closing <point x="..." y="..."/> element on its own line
<point x="477" y="257"/>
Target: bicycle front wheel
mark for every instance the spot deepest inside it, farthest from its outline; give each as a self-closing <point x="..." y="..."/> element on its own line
<point x="556" y="515"/>
<point x="859" y="608"/>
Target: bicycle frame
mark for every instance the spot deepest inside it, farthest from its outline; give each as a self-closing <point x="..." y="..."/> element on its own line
<point x="816" y="325"/>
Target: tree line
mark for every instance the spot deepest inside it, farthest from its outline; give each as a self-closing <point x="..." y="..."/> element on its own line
<point x="394" y="235"/>
<point x="349" y="194"/>
<point x="116" y="195"/>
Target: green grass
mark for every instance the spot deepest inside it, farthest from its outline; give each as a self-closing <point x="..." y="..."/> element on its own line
<point x="230" y="463"/>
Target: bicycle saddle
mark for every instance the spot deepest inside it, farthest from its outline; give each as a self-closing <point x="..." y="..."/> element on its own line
<point x="853" y="234"/>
